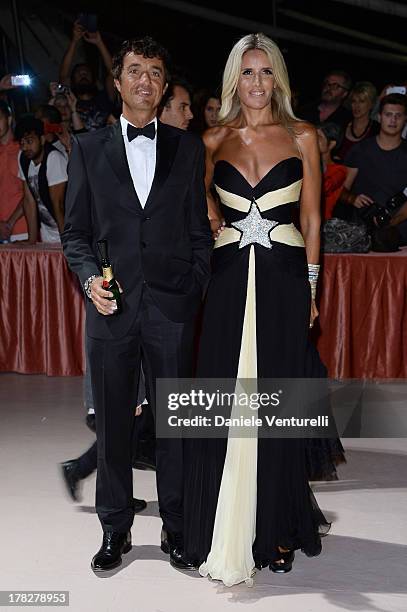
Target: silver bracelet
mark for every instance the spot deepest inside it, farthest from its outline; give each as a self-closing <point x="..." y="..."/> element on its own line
<point x="313" y="273"/>
<point x="87" y="285"/>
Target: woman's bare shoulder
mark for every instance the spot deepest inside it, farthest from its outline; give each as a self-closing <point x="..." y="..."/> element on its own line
<point x="304" y="131"/>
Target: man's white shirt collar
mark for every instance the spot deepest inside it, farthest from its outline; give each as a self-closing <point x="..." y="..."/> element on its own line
<point x="141" y="155"/>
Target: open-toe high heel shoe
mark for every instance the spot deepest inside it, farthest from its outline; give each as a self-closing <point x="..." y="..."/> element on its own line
<point x="284" y="564"/>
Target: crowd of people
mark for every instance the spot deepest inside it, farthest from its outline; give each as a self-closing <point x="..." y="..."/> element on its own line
<point x="35" y="148"/>
<point x="361" y="139"/>
<point x="222" y="183"/>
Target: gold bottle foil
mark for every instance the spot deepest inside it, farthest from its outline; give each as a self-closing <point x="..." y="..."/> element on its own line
<point x="108" y="274"/>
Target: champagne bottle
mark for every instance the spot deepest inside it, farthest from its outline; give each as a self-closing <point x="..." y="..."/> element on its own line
<point x="109" y="281"/>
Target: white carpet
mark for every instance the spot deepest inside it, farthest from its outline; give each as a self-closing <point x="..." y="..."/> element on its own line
<point x="47" y="542"/>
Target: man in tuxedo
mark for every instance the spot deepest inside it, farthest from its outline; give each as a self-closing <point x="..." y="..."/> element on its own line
<point x="139" y="185"/>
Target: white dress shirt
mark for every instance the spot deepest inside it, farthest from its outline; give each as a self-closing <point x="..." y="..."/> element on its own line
<point x="141" y="157"/>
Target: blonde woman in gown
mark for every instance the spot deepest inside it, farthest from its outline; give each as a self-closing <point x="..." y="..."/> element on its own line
<point x="248" y="503"/>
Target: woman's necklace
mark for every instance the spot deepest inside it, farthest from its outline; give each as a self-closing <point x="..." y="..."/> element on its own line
<point x="367" y="128"/>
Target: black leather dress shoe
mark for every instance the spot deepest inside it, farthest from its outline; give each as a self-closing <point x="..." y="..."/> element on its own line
<point x="71" y="478"/>
<point x="139" y="505"/>
<point x="109" y="555"/>
<point x="178" y="559"/>
<point x="91" y="421"/>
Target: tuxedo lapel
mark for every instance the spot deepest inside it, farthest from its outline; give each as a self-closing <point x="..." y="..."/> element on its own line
<point x="116" y="154"/>
<point x="167" y="145"/>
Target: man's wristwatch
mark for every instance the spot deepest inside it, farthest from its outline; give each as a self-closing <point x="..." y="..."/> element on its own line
<point x="87" y="285"/>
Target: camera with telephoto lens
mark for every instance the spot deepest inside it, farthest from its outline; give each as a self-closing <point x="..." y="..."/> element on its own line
<point x="377" y="215"/>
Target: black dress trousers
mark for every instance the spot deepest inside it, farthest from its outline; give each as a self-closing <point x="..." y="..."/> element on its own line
<point x="165" y="349"/>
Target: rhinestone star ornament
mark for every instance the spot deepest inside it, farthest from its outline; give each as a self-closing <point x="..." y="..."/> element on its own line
<point x="255" y="229"/>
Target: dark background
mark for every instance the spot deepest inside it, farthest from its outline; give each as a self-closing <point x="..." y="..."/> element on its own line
<point x="202" y="46"/>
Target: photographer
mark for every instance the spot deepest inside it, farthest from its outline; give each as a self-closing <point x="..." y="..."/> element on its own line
<point x="377" y="169"/>
<point x="93" y="106"/>
<point x="66" y="102"/>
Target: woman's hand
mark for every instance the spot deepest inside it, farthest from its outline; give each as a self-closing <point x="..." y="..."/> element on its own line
<point x="314" y="313"/>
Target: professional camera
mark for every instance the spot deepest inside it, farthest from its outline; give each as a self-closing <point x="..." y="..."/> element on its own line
<point x="376" y="215"/>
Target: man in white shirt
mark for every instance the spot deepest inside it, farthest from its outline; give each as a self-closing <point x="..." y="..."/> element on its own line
<point x="44" y="172"/>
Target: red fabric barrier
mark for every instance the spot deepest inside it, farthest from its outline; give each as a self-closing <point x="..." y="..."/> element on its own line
<point x="41" y="313"/>
<point x="361" y="333"/>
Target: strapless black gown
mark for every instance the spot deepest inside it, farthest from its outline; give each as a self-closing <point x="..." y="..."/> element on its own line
<point x="242" y="503"/>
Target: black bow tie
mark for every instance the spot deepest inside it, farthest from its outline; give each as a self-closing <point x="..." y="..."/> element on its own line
<point x="148" y="131"/>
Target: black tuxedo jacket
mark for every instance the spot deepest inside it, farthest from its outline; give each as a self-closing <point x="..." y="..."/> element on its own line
<point x="166" y="245"/>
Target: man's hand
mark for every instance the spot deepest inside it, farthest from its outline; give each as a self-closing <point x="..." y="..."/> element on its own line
<point x="384" y="90"/>
<point x="78" y="32"/>
<point x="5" y="83"/>
<point x="362" y="200"/>
<point x="99" y="297"/>
<point x="94" y="38"/>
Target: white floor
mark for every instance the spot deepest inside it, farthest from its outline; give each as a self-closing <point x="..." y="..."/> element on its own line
<point x="47" y="542"/>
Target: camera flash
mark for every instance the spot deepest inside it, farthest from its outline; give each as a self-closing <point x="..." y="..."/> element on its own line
<point x="21" y="80"/>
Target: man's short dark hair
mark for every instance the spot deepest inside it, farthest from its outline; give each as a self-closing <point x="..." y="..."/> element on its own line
<point x="5" y="109"/>
<point x="28" y="125"/>
<point x="176" y="81"/>
<point x="147" y="47"/>
<point x="344" y="75"/>
<point x="394" y="98"/>
<point x="49" y="113"/>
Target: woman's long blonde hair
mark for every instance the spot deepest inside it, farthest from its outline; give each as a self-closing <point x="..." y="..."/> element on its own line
<point x="281" y="100"/>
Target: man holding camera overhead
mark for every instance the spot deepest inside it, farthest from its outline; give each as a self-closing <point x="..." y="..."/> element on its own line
<point x="377" y="171"/>
<point x="94" y="106"/>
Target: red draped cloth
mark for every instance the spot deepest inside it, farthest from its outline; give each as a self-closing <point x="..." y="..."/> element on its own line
<point x="41" y="312"/>
<point x="362" y="331"/>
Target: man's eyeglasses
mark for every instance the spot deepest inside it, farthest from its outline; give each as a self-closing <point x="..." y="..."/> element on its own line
<point x="334" y="85"/>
